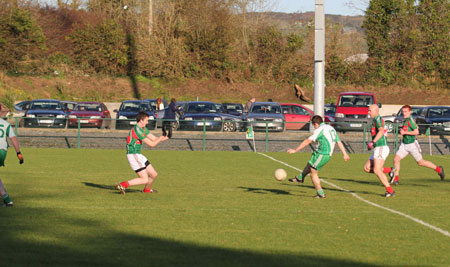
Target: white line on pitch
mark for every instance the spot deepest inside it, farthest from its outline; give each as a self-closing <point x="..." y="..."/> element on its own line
<point x="432" y="227"/>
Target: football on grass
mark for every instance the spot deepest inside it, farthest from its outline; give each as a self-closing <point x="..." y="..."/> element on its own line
<point x="280" y="174"/>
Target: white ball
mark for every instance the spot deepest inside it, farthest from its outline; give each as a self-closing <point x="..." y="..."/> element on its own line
<point x="125" y="7"/>
<point x="280" y="174"/>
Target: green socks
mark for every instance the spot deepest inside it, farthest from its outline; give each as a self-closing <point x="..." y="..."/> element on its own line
<point x="6" y="198"/>
<point x="320" y="192"/>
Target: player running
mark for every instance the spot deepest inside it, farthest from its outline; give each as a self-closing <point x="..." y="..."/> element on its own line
<point x="381" y="150"/>
<point x="411" y="146"/>
<point x="326" y="137"/>
<point x="6" y="131"/>
<point x="138" y="162"/>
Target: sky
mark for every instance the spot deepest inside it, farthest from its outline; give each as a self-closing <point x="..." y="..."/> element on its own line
<point x="338" y="7"/>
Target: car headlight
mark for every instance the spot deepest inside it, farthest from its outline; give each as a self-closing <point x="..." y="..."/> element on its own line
<point x="72" y="117"/>
<point x="277" y="120"/>
<point x="437" y="123"/>
<point x="339" y="115"/>
<point x="96" y="117"/>
<point x="151" y="118"/>
<point x="188" y="119"/>
<point x="30" y="116"/>
<point x="251" y="119"/>
<point x="217" y="119"/>
<point x="60" y="116"/>
<point x="122" y="118"/>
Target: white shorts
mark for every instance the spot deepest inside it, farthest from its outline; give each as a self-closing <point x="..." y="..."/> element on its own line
<point x="380" y="152"/>
<point x="413" y="149"/>
<point x="138" y="162"/>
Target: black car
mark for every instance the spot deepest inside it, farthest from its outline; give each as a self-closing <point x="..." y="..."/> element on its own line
<point x="264" y="115"/>
<point x="436" y="118"/>
<point x="126" y="115"/>
<point x="231" y="118"/>
<point x="45" y="113"/>
<point x="330" y="111"/>
<point x="197" y="115"/>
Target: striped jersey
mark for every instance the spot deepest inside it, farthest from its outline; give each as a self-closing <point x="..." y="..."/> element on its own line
<point x="409" y="125"/>
<point x="326" y="137"/>
<point x="5" y="131"/>
<point x="134" y="139"/>
<point x="378" y="123"/>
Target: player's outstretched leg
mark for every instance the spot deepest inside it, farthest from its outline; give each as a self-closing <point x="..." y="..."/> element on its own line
<point x="6" y="199"/>
<point x="305" y="172"/>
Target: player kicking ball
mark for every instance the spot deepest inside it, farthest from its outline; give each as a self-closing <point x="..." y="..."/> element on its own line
<point x="327" y="138"/>
<point x="6" y="131"/>
<point x="411" y="146"/>
<point x="140" y="134"/>
<point x="380" y="149"/>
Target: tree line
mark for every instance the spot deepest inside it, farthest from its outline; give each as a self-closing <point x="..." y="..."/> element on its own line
<point x="407" y="41"/>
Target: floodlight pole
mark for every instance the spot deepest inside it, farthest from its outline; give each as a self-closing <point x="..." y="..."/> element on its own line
<point x="319" y="58"/>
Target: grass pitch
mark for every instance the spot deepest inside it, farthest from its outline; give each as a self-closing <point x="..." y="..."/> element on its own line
<point x="217" y="209"/>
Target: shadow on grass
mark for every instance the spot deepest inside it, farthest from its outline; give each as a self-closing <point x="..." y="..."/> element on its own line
<point x="376" y="182"/>
<point x="328" y="188"/>
<point x="110" y="187"/>
<point x="31" y="237"/>
<point x="265" y="190"/>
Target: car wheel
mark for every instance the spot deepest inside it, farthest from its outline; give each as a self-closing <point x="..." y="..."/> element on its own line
<point x="389" y="126"/>
<point x="229" y="126"/>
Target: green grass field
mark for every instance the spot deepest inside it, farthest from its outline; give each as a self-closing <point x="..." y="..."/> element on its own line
<point x="216" y="209"/>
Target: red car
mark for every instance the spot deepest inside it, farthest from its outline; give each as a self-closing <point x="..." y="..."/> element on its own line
<point x="297" y="116"/>
<point x="90" y="114"/>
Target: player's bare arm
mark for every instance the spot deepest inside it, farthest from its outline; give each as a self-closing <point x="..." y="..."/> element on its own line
<point x="305" y="143"/>
<point x="343" y="150"/>
<point x="155" y="142"/>
<point x="15" y="143"/>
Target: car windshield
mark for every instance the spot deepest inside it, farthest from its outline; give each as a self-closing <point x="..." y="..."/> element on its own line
<point x="135" y="107"/>
<point x="439" y="113"/>
<point x="42" y="105"/>
<point x="88" y="107"/>
<point x="201" y="108"/>
<point x="233" y="108"/>
<point x="356" y="100"/>
<point x="265" y="108"/>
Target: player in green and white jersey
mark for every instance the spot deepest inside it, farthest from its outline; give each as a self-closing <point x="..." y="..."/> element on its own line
<point x="327" y="138"/>
<point x="381" y="150"/>
<point x="7" y="131"/>
<point x="147" y="174"/>
<point x="411" y="146"/>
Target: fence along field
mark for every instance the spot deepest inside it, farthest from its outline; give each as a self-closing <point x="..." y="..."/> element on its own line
<point x="217" y="209"/>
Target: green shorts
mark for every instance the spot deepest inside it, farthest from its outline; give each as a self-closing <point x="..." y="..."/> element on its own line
<point x="317" y="160"/>
<point x="2" y="157"/>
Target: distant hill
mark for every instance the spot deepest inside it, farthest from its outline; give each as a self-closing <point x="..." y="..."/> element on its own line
<point x="292" y="20"/>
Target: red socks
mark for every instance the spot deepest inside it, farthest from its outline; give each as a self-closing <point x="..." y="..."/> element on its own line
<point x="125" y="184"/>
<point x="387" y="170"/>
<point x="438" y="169"/>
<point x="396" y="178"/>
<point x="147" y="190"/>
<point x="390" y="190"/>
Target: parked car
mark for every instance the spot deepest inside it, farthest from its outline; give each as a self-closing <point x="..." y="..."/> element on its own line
<point x="297" y="117"/>
<point x="352" y="111"/>
<point x="397" y="118"/>
<point x="231" y="122"/>
<point x="265" y="114"/>
<point x="437" y="118"/>
<point x="126" y="115"/>
<point x="45" y="113"/>
<point x="195" y="112"/>
<point x="90" y="114"/>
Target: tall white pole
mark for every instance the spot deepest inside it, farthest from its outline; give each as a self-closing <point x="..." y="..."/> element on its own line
<point x="150" y="17"/>
<point x="319" y="58"/>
